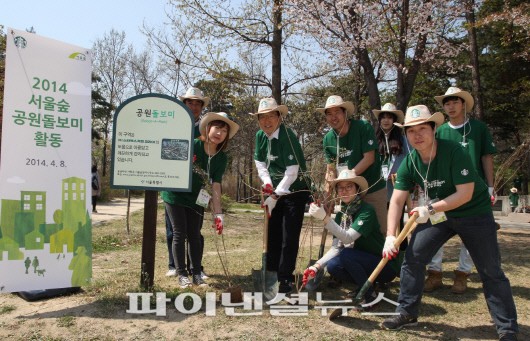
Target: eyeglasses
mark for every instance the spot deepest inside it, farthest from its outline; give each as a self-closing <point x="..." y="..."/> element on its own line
<point x="345" y="187"/>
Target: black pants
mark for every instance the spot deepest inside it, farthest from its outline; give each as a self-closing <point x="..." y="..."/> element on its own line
<point x="285" y="225"/>
<point x="169" y="236"/>
<point x="186" y="224"/>
<point x="94" y="202"/>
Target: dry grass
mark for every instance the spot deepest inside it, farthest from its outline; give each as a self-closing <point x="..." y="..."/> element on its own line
<point x="99" y="311"/>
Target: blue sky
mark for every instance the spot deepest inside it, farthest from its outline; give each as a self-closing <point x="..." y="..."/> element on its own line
<point x="82" y="22"/>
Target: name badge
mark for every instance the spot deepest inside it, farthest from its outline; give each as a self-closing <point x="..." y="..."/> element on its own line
<point x="204" y="198"/>
<point x="384" y="171"/>
<point x="438" y="217"/>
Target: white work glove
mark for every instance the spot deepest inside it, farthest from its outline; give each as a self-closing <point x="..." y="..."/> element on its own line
<point x="389" y="250"/>
<point x="317" y="212"/>
<point x="423" y="214"/>
<point x="493" y="195"/>
<point x="219" y="223"/>
<point x="270" y="203"/>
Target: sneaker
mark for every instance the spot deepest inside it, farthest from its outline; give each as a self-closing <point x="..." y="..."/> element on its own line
<point x="184" y="281"/>
<point x="508" y="337"/>
<point x="171" y="273"/>
<point x="204" y="276"/>
<point x="285" y="287"/>
<point x="197" y="280"/>
<point x="399" y="321"/>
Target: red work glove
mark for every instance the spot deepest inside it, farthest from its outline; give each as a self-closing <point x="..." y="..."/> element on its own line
<point x="218" y="223"/>
<point x="267" y="189"/>
<point x="310" y="272"/>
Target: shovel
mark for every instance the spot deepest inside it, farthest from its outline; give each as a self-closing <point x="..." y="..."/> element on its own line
<point x="407" y="230"/>
<point x="265" y="281"/>
<point x="409" y="227"/>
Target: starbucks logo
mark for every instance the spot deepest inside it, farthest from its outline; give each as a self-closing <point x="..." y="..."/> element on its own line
<point x="20" y="42"/>
<point x="464" y="172"/>
<point x="415" y="113"/>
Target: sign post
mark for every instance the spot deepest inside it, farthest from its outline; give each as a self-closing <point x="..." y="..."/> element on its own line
<point x="152" y="150"/>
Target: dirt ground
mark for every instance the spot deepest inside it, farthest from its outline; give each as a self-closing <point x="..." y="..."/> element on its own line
<point x="100" y="312"/>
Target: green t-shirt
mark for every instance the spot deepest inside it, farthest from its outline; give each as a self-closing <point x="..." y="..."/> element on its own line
<point x="514" y="199"/>
<point x="371" y="239"/>
<point x="450" y="167"/>
<point x="217" y="169"/>
<point x="280" y="153"/>
<point x="359" y="140"/>
<point x="196" y="131"/>
<point x="478" y="141"/>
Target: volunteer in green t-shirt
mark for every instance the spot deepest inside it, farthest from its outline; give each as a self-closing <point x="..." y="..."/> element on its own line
<point x="457" y="204"/>
<point x="351" y="144"/>
<point x="514" y="199"/>
<point x="195" y="100"/>
<point x="281" y="166"/>
<point x="476" y="140"/>
<point x="186" y="209"/>
<point x="357" y="240"/>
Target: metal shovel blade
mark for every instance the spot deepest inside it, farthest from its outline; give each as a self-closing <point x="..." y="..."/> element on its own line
<point x="265" y="282"/>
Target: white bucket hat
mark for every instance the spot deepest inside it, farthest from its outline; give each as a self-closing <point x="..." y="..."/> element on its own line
<point x="453" y="91"/>
<point x="419" y="114"/>
<point x="349" y="175"/>
<point x="268" y="105"/>
<point x="391" y="108"/>
<point x="337" y="101"/>
<point x="196" y="93"/>
<point x="218" y="116"/>
<point x="513" y="190"/>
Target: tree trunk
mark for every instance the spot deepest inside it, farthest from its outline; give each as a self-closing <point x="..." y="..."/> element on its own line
<point x="374" y="100"/>
<point x="473" y="57"/>
<point x="276" y="47"/>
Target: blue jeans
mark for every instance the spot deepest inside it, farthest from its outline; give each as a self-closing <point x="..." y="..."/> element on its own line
<point x="479" y="235"/>
<point x="352" y="265"/>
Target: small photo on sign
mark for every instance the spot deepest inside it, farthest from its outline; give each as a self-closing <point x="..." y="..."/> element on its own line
<point x="174" y="149"/>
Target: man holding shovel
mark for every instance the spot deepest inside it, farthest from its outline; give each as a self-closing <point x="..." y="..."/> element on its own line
<point x="281" y="164"/>
<point x="457" y="203"/>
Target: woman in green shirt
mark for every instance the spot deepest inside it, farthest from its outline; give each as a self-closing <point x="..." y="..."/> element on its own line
<point x="185" y="210"/>
<point x="458" y="203"/>
<point x="357" y="240"/>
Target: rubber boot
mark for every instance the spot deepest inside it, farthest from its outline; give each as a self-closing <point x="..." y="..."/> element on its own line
<point x="460" y="285"/>
<point x="433" y="281"/>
